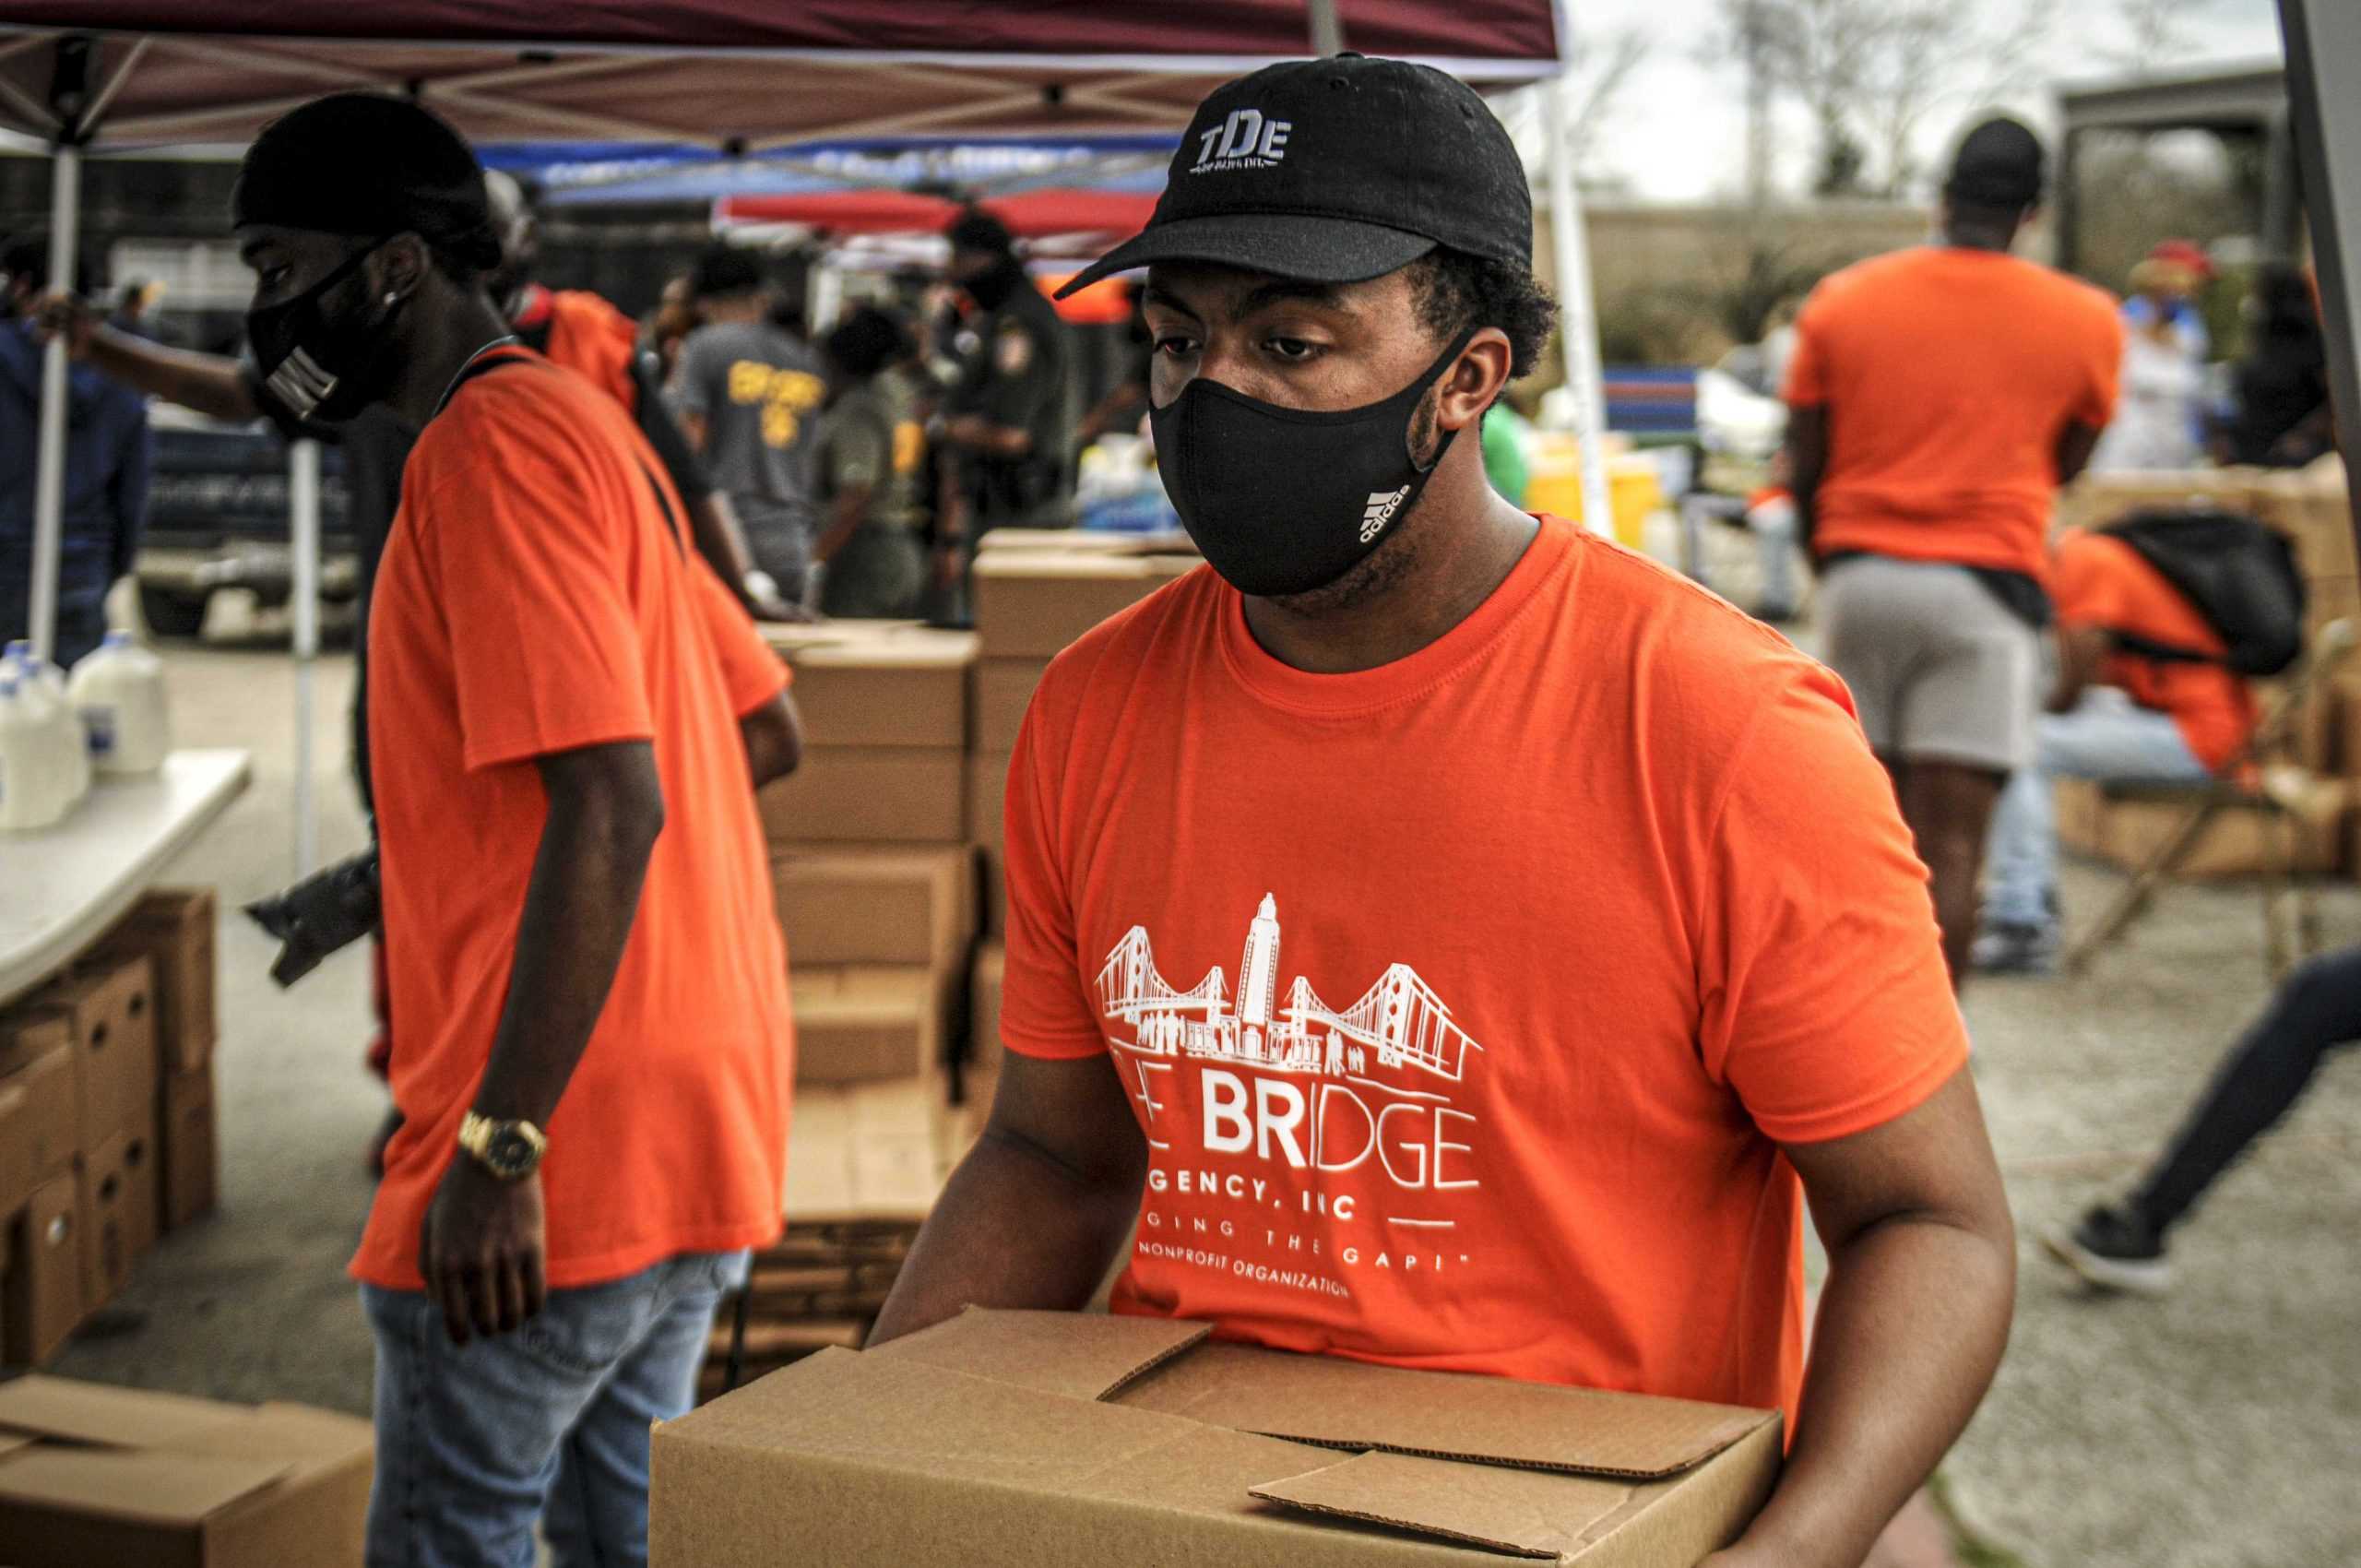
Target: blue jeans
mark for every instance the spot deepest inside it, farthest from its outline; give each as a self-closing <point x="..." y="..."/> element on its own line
<point x="2107" y="737"/>
<point x="551" y="1422"/>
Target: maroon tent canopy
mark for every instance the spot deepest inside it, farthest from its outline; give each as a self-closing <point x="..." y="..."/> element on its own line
<point x="715" y="73"/>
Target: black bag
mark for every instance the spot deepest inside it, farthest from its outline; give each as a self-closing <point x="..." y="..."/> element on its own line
<point x="2238" y="574"/>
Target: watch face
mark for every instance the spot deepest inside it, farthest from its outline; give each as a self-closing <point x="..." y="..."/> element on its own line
<point x="510" y="1152"/>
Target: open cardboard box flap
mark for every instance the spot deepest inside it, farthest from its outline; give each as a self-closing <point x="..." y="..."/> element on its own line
<point x="1161" y="1365"/>
<point x="93" y="1413"/>
<point x="1513" y="1467"/>
<point x="142" y="1486"/>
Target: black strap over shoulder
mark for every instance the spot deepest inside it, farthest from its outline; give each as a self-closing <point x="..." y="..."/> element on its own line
<point x="498" y="358"/>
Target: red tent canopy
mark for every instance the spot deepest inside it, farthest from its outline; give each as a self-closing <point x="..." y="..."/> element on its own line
<point x="1029" y="215"/>
<point x="715" y="73"/>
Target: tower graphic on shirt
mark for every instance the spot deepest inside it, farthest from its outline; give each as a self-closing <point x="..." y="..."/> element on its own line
<point x="1400" y="1023"/>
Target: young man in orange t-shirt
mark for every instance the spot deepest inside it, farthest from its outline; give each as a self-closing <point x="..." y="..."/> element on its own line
<point x="2115" y="715"/>
<point x="1938" y="398"/>
<point x="1448" y="935"/>
<point x="597" y="1047"/>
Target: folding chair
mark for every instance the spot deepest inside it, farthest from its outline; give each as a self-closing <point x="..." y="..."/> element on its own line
<point x="2246" y="781"/>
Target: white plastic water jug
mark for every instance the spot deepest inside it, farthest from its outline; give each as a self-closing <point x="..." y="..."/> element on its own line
<point x="43" y="691"/>
<point x="31" y="792"/>
<point x="117" y="692"/>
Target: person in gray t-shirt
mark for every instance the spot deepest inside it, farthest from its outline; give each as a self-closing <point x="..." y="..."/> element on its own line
<point x="749" y="393"/>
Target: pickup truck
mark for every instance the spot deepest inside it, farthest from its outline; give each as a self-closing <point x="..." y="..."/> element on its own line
<point x="217" y="518"/>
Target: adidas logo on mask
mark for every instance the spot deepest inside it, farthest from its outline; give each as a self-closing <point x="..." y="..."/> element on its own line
<point x="1245" y="140"/>
<point x="1383" y="504"/>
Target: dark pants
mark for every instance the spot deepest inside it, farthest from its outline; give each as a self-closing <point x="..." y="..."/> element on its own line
<point x="2318" y="1009"/>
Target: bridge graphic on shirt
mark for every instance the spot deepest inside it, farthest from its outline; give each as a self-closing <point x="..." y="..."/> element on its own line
<point x="1401" y="1022"/>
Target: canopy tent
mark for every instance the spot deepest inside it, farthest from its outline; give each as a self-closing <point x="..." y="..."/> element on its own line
<point x="711" y="74"/>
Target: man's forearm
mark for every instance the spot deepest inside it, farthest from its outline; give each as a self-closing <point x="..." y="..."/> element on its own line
<point x="1911" y="1324"/>
<point x="713" y="528"/>
<point x="845" y="514"/>
<point x="1013" y="1228"/>
<point x="579" y="912"/>
<point x="210" y="384"/>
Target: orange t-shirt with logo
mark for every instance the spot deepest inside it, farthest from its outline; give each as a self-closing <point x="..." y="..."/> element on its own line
<point x="534" y="598"/>
<point x="2101" y="581"/>
<point x="1464" y="1002"/>
<point x="1949" y="375"/>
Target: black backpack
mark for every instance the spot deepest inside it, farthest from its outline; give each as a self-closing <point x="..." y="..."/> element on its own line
<point x="2239" y="574"/>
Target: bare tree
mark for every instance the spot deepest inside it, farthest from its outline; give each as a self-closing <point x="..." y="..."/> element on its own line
<point x="2154" y="31"/>
<point x="1870" y="72"/>
<point x="1603" y="68"/>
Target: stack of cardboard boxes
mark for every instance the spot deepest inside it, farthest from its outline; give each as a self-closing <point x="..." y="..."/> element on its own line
<point x="2310" y="507"/>
<point x="106" y="1119"/>
<point x="876" y="895"/>
<point x="1037" y="591"/>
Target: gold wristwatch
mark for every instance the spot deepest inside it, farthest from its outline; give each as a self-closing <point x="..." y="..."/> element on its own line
<point x="510" y="1150"/>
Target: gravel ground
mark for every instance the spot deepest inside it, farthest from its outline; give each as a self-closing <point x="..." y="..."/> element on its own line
<point x="2216" y="1429"/>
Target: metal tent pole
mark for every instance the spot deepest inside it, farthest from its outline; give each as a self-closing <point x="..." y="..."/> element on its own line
<point x="49" y="471"/>
<point x="1577" y="315"/>
<point x="303" y="519"/>
<point x="1327" y="27"/>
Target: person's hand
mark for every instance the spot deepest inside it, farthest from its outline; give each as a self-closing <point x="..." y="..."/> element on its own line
<point x="62" y="313"/>
<point x="481" y="1250"/>
<point x="760" y="594"/>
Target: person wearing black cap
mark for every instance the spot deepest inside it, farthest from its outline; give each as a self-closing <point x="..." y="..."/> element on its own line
<point x="1938" y="398"/>
<point x="749" y="392"/>
<point x="1008" y="421"/>
<point x="597" y="1047"/>
<point x="1583" y="943"/>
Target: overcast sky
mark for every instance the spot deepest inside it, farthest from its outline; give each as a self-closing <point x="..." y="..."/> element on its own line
<point x="1677" y="131"/>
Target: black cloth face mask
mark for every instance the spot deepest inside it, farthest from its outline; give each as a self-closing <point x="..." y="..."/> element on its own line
<point x="1284" y="500"/>
<point x="322" y="367"/>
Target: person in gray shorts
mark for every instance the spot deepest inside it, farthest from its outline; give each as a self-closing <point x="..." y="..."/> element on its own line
<point x="1937" y="397"/>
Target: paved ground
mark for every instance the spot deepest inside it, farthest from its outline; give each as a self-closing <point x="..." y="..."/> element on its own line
<point x="2214" y="1429"/>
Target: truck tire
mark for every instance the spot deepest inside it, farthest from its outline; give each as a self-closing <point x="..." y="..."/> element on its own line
<point x="171" y="614"/>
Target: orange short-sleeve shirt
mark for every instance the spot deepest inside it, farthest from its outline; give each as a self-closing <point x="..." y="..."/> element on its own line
<point x="534" y="598"/>
<point x="1464" y="1002"/>
<point x="2099" y="581"/>
<point x="1948" y="376"/>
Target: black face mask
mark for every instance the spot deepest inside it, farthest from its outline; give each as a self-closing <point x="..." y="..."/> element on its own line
<point x="323" y="368"/>
<point x="1284" y="500"/>
<point x="992" y="287"/>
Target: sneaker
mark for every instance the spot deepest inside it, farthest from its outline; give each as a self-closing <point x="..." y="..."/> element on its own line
<point x="2008" y="948"/>
<point x="2114" y="1249"/>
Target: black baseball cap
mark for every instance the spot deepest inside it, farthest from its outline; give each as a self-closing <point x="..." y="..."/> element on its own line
<point x="1999" y="163"/>
<point x="1335" y="171"/>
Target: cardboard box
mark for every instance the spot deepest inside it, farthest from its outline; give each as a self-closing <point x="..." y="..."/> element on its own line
<point x="111" y="1016"/>
<point x="110" y="1219"/>
<point x="121" y="1476"/>
<point x="865" y="1024"/>
<point x="2314" y="514"/>
<point x="175" y="928"/>
<point x="867" y="1154"/>
<point x="1084" y="541"/>
<point x="143" y="1191"/>
<point x="1041" y="1440"/>
<point x="40" y="1109"/>
<point x="44" y="1298"/>
<point x="1003" y="693"/>
<point x="2077" y="805"/>
<point x="869" y="795"/>
<point x="1030" y="604"/>
<point x="881" y="682"/>
<point x="876" y="907"/>
<point x="186" y="1129"/>
<point x="988" y="799"/>
<point x="2314" y="739"/>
